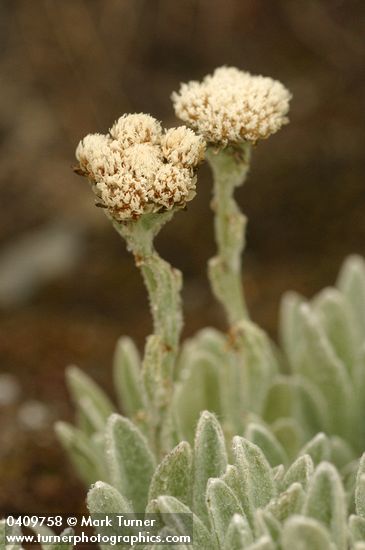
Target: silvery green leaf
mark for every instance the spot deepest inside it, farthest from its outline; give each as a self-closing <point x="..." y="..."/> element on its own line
<point x="289" y="327"/>
<point x="288" y="432"/>
<point x="197" y="389"/>
<point x="341" y="452"/>
<point x="264" y="543"/>
<point x="231" y="478"/>
<point x="357" y="528"/>
<point x="339" y="324"/>
<point x="210" y="459"/>
<point x="127" y="377"/>
<point x="131" y="463"/>
<point x="360" y="488"/>
<point x="360" y="495"/>
<point x="234" y="392"/>
<point x="267" y="524"/>
<point x="239" y="534"/>
<point x="279" y="399"/>
<point x="81" y="451"/>
<point x="257" y="485"/>
<point x="263" y="438"/>
<point x="311" y="407"/>
<point x="180" y="518"/>
<point x="300" y="471"/>
<point x="318" y="448"/>
<point x="213" y="341"/>
<point x="287" y="503"/>
<point x="319" y="363"/>
<point x="325" y="501"/>
<point x="222" y="505"/>
<point x="351" y="283"/>
<point x="105" y="500"/>
<point x="173" y="476"/>
<point x="84" y="390"/>
<point x="309" y="533"/>
<point x="259" y="361"/>
<point x="88" y="417"/>
<point x="296" y="397"/>
<point x="349" y="475"/>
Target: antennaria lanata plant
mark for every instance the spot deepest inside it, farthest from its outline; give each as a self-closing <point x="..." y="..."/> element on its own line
<point x="260" y="446"/>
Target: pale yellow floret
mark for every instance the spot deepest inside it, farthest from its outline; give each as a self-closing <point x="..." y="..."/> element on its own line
<point x="137" y="170"/>
<point x="143" y="159"/>
<point x="182" y="146"/>
<point x="95" y="156"/>
<point x="174" y="186"/>
<point x="136" y="128"/>
<point x="231" y="106"/>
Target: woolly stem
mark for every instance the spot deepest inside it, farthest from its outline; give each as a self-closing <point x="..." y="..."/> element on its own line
<point x="163" y="284"/>
<point x="230" y="167"/>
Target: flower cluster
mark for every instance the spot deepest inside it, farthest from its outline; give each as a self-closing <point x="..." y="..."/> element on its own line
<point x="138" y="168"/>
<point x="231" y="106"/>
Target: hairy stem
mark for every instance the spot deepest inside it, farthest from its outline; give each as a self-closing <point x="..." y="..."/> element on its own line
<point x="163" y="284"/>
<point x="230" y="167"/>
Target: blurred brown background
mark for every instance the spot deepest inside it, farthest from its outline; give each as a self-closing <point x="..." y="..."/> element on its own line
<point x="68" y="288"/>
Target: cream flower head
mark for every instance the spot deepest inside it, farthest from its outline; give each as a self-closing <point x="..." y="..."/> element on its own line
<point x="138" y="168"/>
<point x="231" y="106"/>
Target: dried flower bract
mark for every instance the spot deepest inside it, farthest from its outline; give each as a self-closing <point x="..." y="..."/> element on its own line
<point x="139" y="169"/>
<point x="231" y="106"/>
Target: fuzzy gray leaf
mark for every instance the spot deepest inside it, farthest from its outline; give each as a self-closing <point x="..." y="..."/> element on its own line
<point x="210" y="459"/>
<point x="173" y="476"/>
<point x="325" y="501"/>
<point x="257" y="484"/>
<point x="360" y="488"/>
<point x="222" y="506"/>
<point x="130" y="460"/>
<point x="84" y="389"/>
<point x="289" y="327"/>
<point x="319" y="363"/>
<point x="300" y="471"/>
<point x="180" y="519"/>
<point x="198" y="389"/>
<point x="341" y="452"/>
<point x="290" y="435"/>
<point x="339" y="324"/>
<point x="104" y="499"/>
<point x="255" y="349"/>
<point x="127" y="377"/>
<point x="304" y="533"/>
<point x="263" y="438"/>
<point x="267" y="524"/>
<point x="239" y="534"/>
<point x="318" y="448"/>
<point x="351" y="282"/>
<point x="357" y="528"/>
<point x="83" y="454"/>
<point x="287" y="503"/>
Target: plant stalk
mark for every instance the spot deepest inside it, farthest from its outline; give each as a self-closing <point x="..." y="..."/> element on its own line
<point x="163" y="283"/>
<point x="230" y="167"/>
